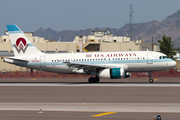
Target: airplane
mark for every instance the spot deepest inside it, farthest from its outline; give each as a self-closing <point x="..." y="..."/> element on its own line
<point x="100" y="65"/>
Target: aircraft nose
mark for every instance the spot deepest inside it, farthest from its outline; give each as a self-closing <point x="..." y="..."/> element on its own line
<point x="173" y="64"/>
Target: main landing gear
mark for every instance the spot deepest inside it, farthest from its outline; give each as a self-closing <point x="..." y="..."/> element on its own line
<point x="150" y="79"/>
<point x="93" y="80"/>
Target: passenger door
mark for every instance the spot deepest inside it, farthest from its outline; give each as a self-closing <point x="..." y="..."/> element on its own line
<point x="149" y="58"/>
<point x="42" y="61"/>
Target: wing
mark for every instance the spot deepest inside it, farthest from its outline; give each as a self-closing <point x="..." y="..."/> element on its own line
<point x="87" y="67"/>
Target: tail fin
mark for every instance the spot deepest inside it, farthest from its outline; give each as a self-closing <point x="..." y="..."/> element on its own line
<point x="20" y="43"/>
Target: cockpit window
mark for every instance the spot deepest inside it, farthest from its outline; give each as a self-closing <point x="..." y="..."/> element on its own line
<point x="163" y="57"/>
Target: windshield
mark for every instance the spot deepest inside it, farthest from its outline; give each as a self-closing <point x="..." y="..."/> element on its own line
<point x="163" y="57"/>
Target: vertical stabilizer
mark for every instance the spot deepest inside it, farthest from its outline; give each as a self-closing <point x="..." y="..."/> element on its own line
<point x="20" y="43"/>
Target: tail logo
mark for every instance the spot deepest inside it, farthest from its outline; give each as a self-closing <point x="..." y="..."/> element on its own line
<point x="21" y="45"/>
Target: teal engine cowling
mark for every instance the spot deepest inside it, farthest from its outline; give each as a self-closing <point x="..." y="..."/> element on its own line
<point x="112" y="73"/>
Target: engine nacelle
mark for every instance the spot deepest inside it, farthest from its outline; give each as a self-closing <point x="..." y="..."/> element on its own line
<point x="113" y="73"/>
<point x="127" y="74"/>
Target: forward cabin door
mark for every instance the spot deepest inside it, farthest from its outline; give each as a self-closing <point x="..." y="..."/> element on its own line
<point x="42" y="61"/>
<point x="149" y="58"/>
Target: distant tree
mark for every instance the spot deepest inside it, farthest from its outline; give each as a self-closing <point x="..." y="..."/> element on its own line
<point x="166" y="46"/>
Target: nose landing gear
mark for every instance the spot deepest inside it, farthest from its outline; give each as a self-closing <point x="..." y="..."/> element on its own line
<point x="150" y="79"/>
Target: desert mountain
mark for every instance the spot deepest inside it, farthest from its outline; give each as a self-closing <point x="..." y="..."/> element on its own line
<point x="142" y="31"/>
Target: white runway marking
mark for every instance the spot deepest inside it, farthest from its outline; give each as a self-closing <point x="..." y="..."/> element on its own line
<point x="94" y="107"/>
<point x="96" y="84"/>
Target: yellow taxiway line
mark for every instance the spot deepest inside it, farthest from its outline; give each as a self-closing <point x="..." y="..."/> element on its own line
<point x="34" y="79"/>
<point x="102" y="114"/>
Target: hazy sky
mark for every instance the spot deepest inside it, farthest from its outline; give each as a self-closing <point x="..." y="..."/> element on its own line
<point x="59" y="15"/>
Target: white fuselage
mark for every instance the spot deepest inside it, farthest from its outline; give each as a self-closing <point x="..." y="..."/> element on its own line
<point x="131" y="61"/>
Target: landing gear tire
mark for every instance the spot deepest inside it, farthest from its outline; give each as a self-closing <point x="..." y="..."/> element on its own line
<point x="93" y="80"/>
<point x="96" y="80"/>
<point x="151" y="80"/>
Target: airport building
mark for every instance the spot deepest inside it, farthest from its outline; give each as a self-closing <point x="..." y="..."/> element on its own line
<point x="102" y="41"/>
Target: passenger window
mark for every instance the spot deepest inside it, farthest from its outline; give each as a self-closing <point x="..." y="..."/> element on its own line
<point x="52" y="60"/>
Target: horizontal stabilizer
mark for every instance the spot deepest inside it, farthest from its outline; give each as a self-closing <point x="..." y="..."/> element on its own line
<point x="18" y="59"/>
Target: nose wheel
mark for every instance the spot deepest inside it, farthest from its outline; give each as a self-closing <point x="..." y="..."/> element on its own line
<point x="150" y="79"/>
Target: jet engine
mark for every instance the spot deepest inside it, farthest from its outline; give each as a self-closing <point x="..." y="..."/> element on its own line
<point x="112" y="73"/>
